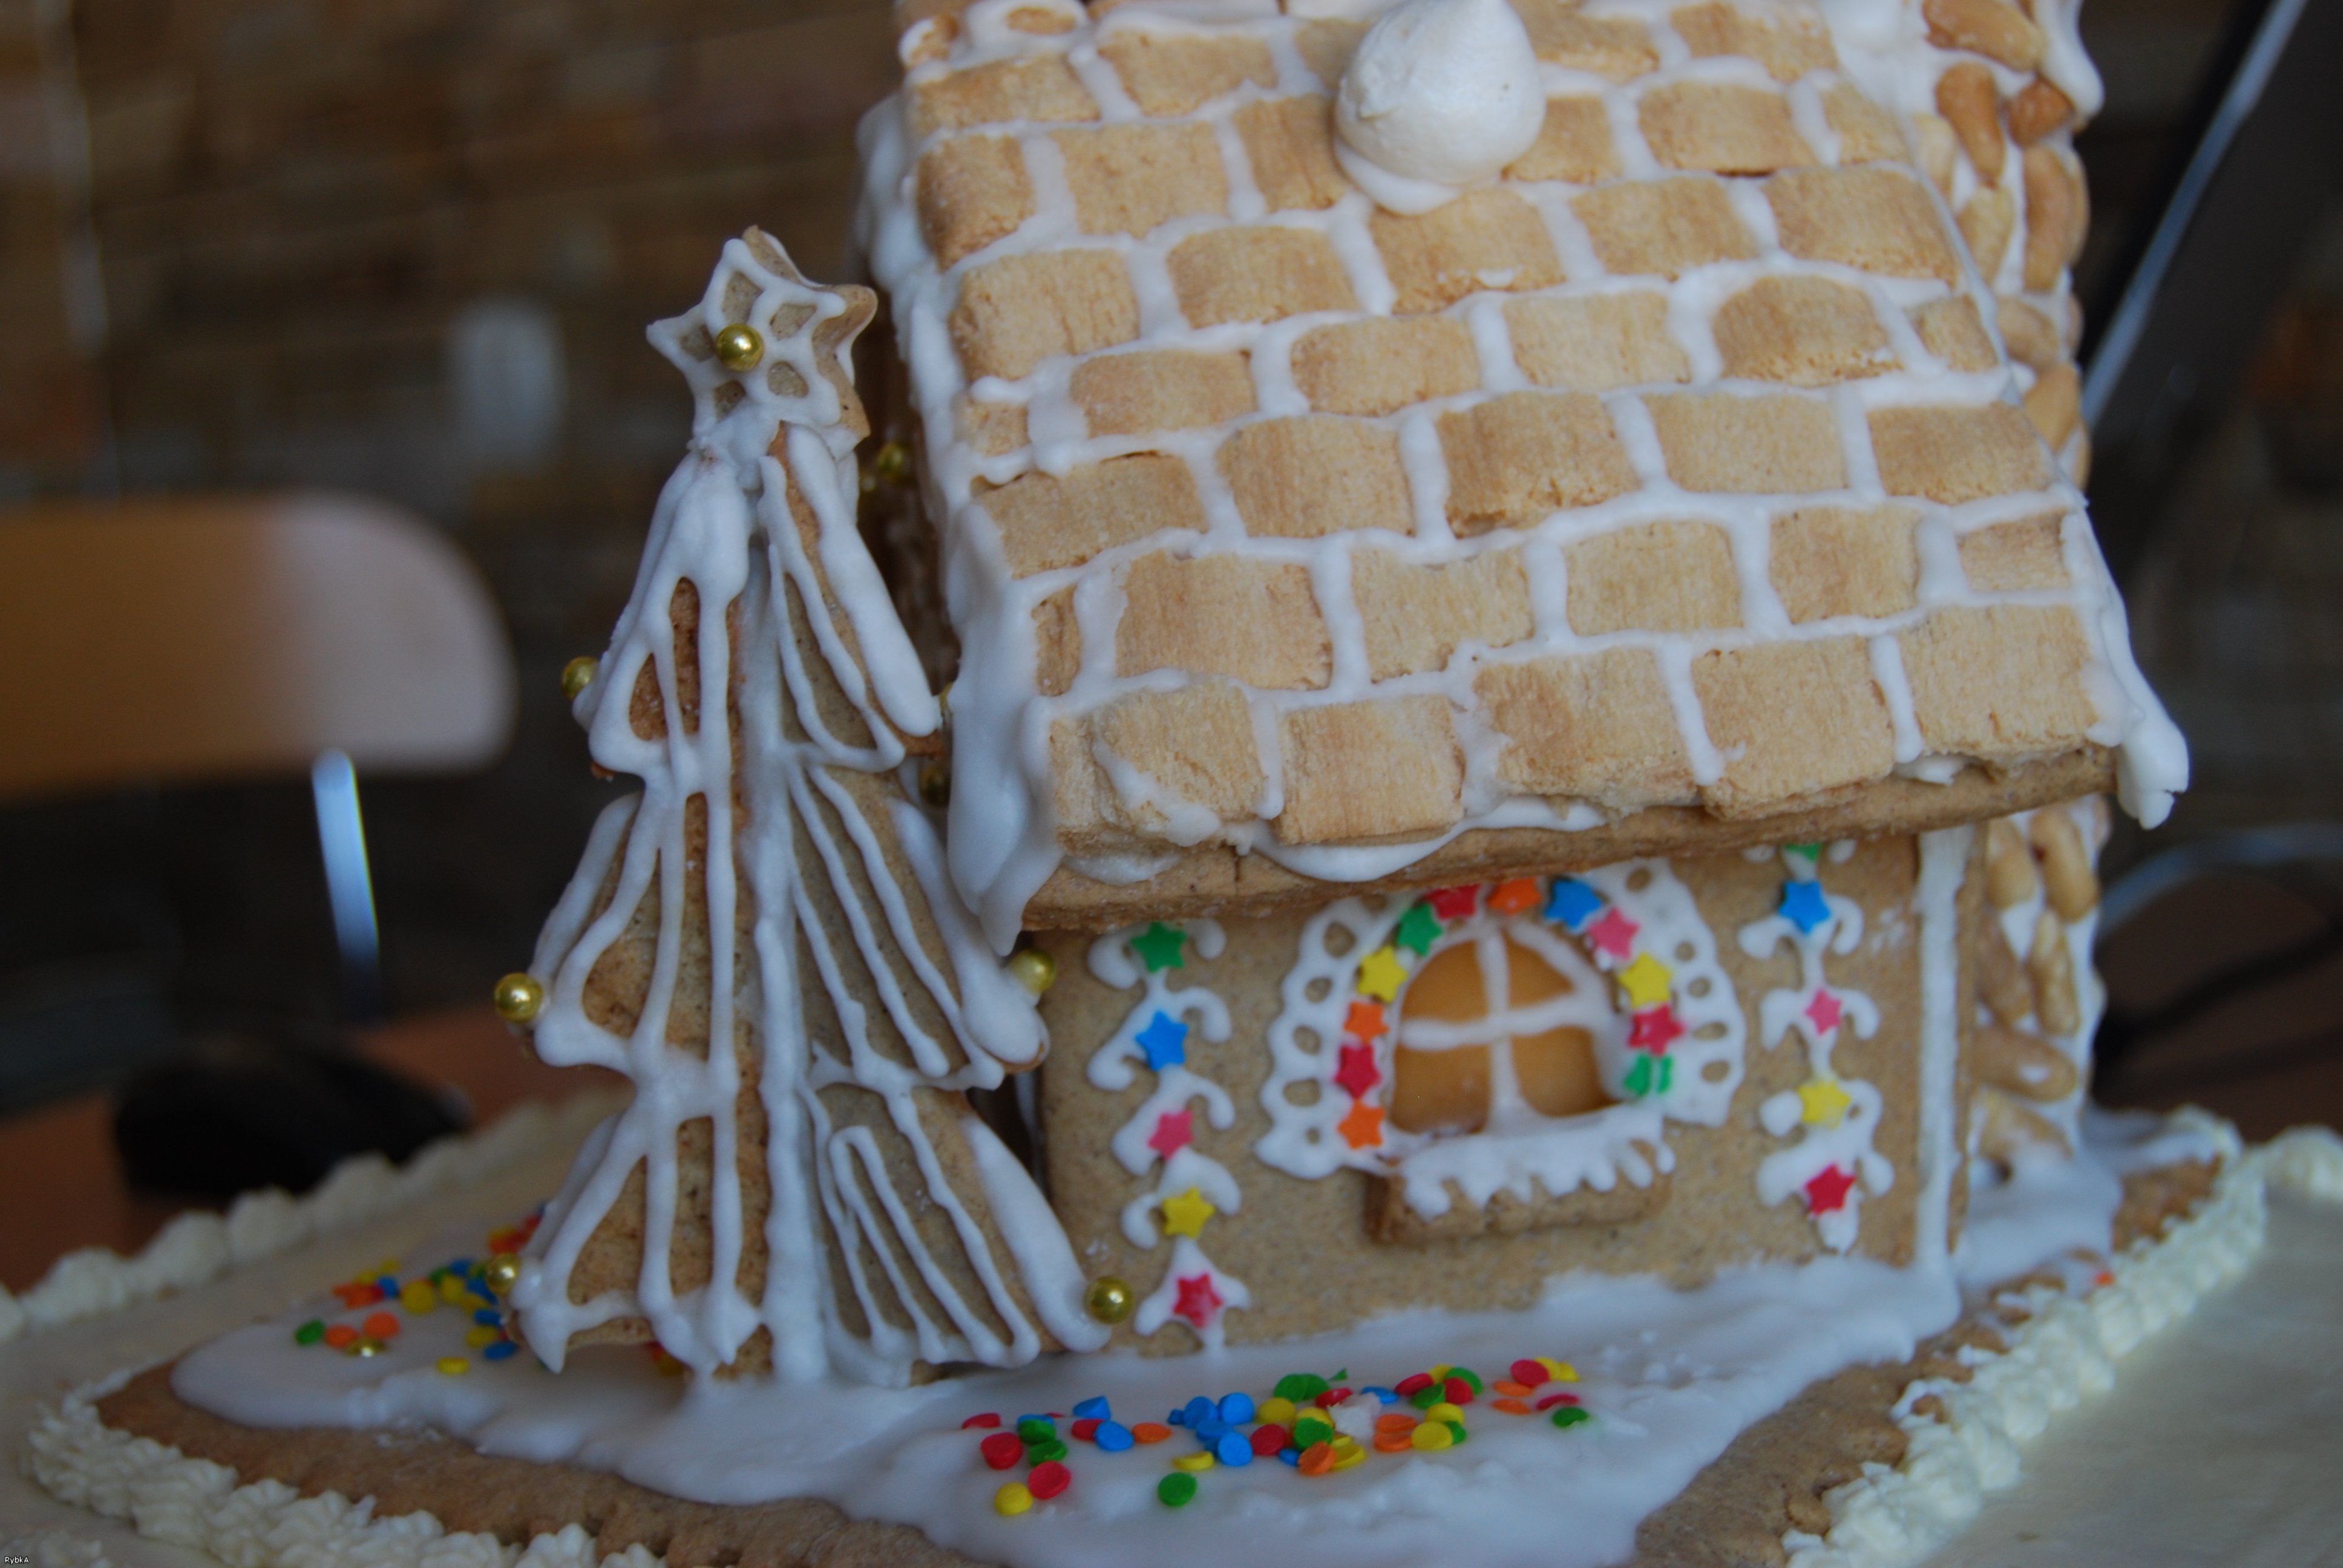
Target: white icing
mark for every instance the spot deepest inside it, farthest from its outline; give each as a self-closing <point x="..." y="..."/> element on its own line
<point x="1442" y="93"/>
<point x="725" y="523"/>
<point x="1193" y="1286"/>
<point x="1003" y="844"/>
<point x="1835" y="1118"/>
<point x="199" y="1246"/>
<point x="1690" y="1077"/>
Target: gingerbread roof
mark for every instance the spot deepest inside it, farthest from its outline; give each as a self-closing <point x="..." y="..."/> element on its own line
<point x="1678" y="468"/>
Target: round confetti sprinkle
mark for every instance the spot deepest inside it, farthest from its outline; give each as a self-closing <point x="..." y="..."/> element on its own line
<point x="988" y="1419"/>
<point x="1459" y="1391"/>
<point x="1012" y="1499"/>
<point x="1562" y="1371"/>
<point x="1093" y="1409"/>
<point x="454" y="1366"/>
<point x="1200" y="1460"/>
<point x="1413" y="1384"/>
<point x="1288" y="1455"/>
<point x="1509" y="1389"/>
<point x="1317" y="1459"/>
<point x="1299" y="1386"/>
<point x="310" y="1332"/>
<point x="480" y="1337"/>
<point x="1443" y="1411"/>
<point x="1330" y="1398"/>
<point x="1001" y="1450"/>
<point x="1044" y="1452"/>
<point x="1470" y="1378"/>
<point x="1176" y="1489"/>
<point x="1197" y="1411"/>
<point x="1455" y="1428"/>
<point x="1347" y="1453"/>
<point x="1394" y="1441"/>
<point x="1268" y="1438"/>
<point x="1234" y="1450"/>
<point x="1149" y="1431"/>
<point x="1388" y="1396"/>
<point x="1511" y="1406"/>
<point x="501" y="1350"/>
<point x="1208" y="1433"/>
<point x="1569" y="1415"/>
<point x="381" y="1325"/>
<point x="1427" y="1396"/>
<point x="1236" y="1409"/>
<point x="490" y="1316"/>
<point x="418" y="1297"/>
<point x="1550" y="1401"/>
<point x="341" y="1336"/>
<point x="1275" y="1411"/>
<point x="1036" y="1428"/>
<point x="1086" y="1429"/>
<point x="1431" y="1436"/>
<point x="1312" y="1427"/>
<point x="1049" y="1479"/>
<point x="1113" y="1437"/>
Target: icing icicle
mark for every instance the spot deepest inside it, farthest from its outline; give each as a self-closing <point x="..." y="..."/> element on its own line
<point x="782" y="973"/>
<point x="1189" y="1186"/>
<point x="1833" y="1162"/>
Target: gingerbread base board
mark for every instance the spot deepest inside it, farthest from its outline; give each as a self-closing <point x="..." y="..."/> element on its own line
<point x="1770" y="1484"/>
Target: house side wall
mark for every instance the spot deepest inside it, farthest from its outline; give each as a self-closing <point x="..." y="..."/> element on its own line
<point x="1301" y="1249"/>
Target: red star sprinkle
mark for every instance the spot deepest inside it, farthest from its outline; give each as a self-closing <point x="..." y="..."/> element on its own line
<point x="1824" y="1012"/>
<point x="1454" y="903"/>
<point x="1826" y="1194"/>
<point x="1613" y="934"/>
<point x="1365" y="1019"/>
<point x="1357" y="1074"/>
<point x="1198" y="1300"/>
<point x="1174" y="1130"/>
<point x="1654" y="1030"/>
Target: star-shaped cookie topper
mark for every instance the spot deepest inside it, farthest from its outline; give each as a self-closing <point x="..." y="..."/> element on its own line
<point x="766" y="348"/>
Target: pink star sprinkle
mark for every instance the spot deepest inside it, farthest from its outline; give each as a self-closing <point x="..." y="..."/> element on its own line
<point x="1613" y="934"/>
<point x="1824" y="1011"/>
<point x="1654" y="1030"/>
<point x="1174" y="1130"/>
<point x="1198" y="1300"/>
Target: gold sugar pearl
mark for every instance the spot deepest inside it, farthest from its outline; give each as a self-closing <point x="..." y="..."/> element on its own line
<point x="578" y="674"/>
<point x="501" y="1272"/>
<point x="1110" y="1299"/>
<point x="1034" y="969"/>
<point x="518" y="998"/>
<point x="891" y="464"/>
<point x="367" y="1346"/>
<point x="935" y="783"/>
<point x="738" y="346"/>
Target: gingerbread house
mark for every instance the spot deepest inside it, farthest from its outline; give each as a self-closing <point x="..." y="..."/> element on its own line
<point x="1545" y="720"/>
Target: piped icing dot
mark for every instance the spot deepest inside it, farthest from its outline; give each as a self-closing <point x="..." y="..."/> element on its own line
<point x="1442" y="93"/>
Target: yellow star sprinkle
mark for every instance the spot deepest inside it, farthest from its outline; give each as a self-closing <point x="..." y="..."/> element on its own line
<point x="1185" y="1215"/>
<point x="1823" y="1103"/>
<point x="1645" y="981"/>
<point x="1381" y="975"/>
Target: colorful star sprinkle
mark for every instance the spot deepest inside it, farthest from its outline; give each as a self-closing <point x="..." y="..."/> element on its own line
<point x="1654" y="1029"/>
<point x="1159" y="947"/>
<point x="1198" y="1300"/>
<point x="1613" y="934"/>
<point x="1649" y="1075"/>
<point x="1826" y="1193"/>
<point x="1363" y="1127"/>
<point x="1174" y="1130"/>
<point x="1418" y="930"/>
<point x="1646" y="981"/>
<point x="1824" y="1011"/>
<point x="1572" y="903"/>
<point x="1454" y="903"/>
<point x="1381" y="975"/>
<point x="1822" y="1102"/>
<point x="1357" y="1074"/>
<point x="1165" y="1041"/>
<point x="1365" y="1019"/>
<point x="1515" y="897"/>
<point x="1185" y="1215"/>
<point x="1803" y="906"/>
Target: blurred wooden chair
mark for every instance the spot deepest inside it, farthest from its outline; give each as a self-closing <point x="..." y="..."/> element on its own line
<point x="173" y="640"/>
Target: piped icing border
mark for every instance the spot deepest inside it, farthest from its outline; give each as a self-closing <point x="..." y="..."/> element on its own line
<point x="199" y="1246"/>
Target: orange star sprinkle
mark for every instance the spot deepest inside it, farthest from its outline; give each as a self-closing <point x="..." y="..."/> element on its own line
<point x="1363" y="1127"/>
<point x="1512" y="898"/>
<point x="1364" y="1020"/>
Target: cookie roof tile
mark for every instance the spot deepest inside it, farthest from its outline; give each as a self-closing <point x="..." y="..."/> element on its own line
<point x="1676" y="475"/>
